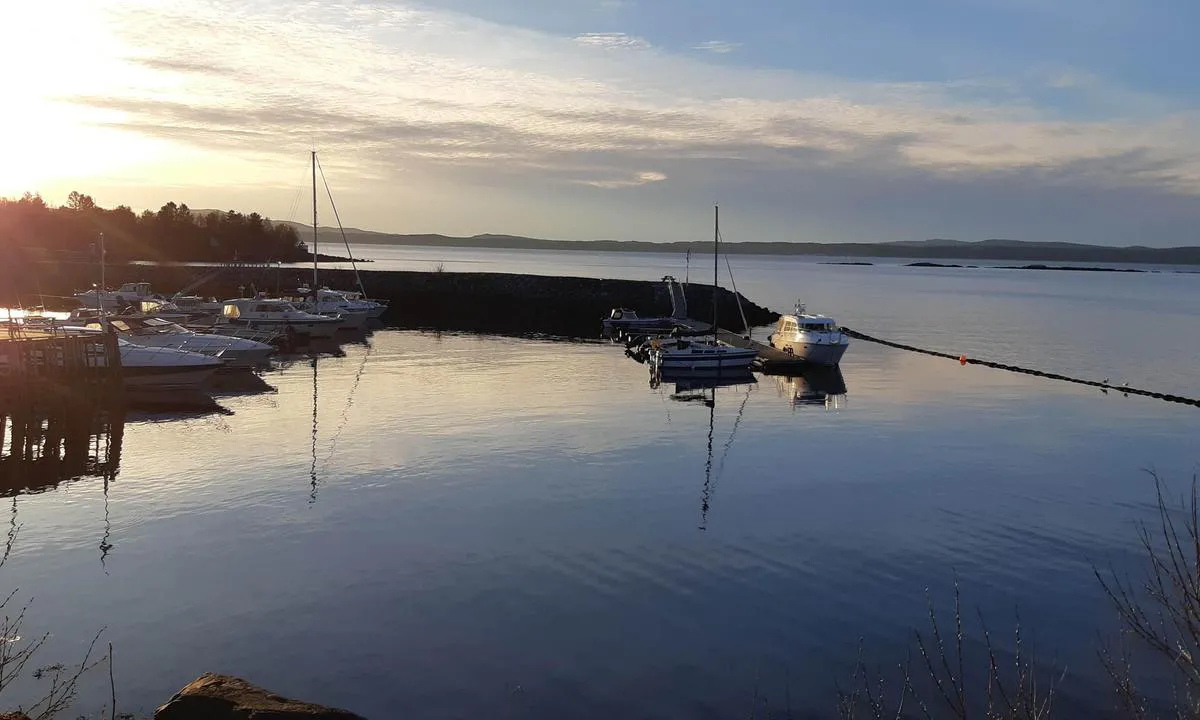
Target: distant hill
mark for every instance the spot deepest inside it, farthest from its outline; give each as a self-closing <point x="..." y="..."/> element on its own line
<point x="994" y="249"/>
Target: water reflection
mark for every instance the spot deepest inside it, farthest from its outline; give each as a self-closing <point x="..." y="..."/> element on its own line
<point x="239" y="383"/>
<point x="703" y="391"/>
<point x="45" y="444"/>
<point x="818" y="386"/>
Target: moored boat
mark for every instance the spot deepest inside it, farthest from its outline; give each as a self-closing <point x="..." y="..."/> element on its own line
<point x="275" y="314"/>
<point x="816" y="339"/>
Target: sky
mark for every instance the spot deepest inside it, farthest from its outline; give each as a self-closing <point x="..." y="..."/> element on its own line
<point x="806" y="120"/>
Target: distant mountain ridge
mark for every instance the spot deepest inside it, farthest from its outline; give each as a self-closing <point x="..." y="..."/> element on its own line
<point x="992" y="249"/>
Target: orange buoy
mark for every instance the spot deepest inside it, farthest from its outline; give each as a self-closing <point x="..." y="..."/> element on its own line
<point x="962" y="359"/>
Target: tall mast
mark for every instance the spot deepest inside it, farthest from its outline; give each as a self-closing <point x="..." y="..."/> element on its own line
<point x="314" y="248"/>
<point x="102" y="264"/>
<point x="716" y="241"/>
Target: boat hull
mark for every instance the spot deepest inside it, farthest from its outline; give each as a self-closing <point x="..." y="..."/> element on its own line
<point x="722" y="360"/>
<point x="828" y="354"/>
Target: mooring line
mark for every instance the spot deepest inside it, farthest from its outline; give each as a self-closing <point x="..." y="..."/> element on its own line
<point x="963" y="359"/>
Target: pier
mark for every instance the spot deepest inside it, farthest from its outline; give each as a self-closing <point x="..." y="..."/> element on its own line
<point x="36" y="365"/>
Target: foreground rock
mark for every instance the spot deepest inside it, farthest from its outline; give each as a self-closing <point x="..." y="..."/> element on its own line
<point x="220" y="697"/>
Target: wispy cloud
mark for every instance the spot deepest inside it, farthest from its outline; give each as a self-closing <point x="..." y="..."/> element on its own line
<point x="611" y="40"/>
<point x="720" y="47"/>
<point x="641" y="178"/>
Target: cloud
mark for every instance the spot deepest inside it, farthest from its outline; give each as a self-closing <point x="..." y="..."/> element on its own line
<point x="392" y="91"/>
<point x="720" y="47"/>
<point x="612" y="41"/>
<point x="642" y="178"/>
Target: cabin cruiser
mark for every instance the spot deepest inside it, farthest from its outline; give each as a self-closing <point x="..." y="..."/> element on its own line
<point x="157" y="332"/>
<point x="270" y="313"/>
<point x="812" y="338"/>
<point x="124" y="296"/>
<point x="331" y="303"/>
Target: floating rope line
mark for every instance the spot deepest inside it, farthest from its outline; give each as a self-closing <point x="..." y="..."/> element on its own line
<point x="963" y="359"/>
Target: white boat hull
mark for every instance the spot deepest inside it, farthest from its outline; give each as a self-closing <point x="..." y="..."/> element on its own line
<point x="817" y="353"/>
<point x="703" y="359"/>
<point x="352" y="320"/>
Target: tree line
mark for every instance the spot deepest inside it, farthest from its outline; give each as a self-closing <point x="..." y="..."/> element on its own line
<point x="31" y="230"/>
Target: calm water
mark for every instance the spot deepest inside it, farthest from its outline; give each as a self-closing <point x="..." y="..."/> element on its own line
<point x="478" y="526"/>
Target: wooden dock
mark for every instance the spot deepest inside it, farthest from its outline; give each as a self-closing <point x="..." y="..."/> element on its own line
<point x="769" y="362"/>
<point x="37" y="362"/>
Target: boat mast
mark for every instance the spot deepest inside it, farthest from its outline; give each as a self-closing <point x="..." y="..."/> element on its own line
<point x="102" y="264"/>
<point x="314" y="247"/>
<point x="716" y="241"/>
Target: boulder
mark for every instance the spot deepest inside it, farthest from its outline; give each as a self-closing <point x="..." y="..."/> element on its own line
<point x="220" y="697"/>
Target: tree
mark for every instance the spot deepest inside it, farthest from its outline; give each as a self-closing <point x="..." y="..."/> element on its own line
<point x="79" y="202"/>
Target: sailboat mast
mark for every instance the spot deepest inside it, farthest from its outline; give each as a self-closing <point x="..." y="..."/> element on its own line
<point x="314" y="248"/>
<point x="716" y="241"/>
<point x="102" y="267"/>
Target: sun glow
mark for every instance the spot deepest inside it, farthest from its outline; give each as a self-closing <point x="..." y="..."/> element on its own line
<point x="53" y="52"/>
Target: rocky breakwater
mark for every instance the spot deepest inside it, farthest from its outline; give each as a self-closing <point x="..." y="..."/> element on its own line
<point x="469" y="302"/>
<point x="520" y="304"/>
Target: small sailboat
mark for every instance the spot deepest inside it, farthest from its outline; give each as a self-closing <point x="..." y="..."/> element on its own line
<point x="679" y="353"/>
<point x="354" y="309"/>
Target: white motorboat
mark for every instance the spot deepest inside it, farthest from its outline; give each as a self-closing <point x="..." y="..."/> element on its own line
<point x="812" y="338"/>
<point x="124" y="296"/>
<point x="686" y="354"/>
<point x="156" y="332"/>
<point x="374" y="308"/>
<point x="264" y="313"/>
<point x="162" y="368"/>
<point x="331" y="303"/>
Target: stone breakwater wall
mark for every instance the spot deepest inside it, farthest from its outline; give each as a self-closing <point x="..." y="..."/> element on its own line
<point x="468" y="302"/>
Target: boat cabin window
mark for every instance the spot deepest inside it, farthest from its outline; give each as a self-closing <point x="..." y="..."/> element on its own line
<point x="265" y="307"/>
<point x="232" y="311"/>
<point x="789" y="326"/>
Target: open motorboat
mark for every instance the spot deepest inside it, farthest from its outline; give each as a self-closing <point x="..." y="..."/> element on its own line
<point x="154" y="368"/>
<point x="622" y="321"/>
<point x="276" y="314"/>
<point x="124" y="296"/>
<point x="812" y="338"/>
<point x="156" y="332"/>
<point x="162" y="368"/>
